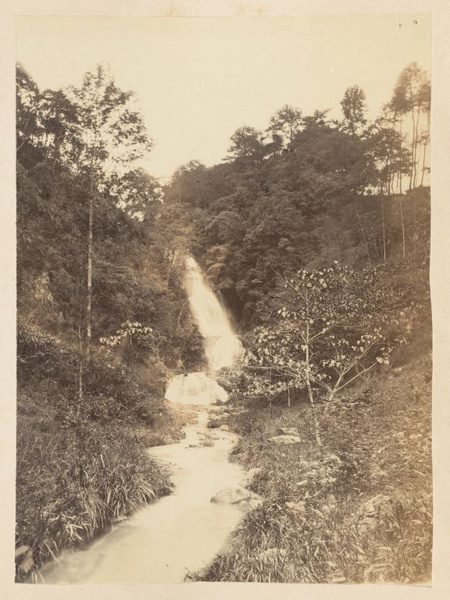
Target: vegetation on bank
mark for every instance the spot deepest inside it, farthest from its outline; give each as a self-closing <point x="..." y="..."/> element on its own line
<point x="81" y="468"/>
<point x="103" y="320"/>
<point x="102" y="317"/>
<point x="316" y="232"/>
<point x="357" y="509"/>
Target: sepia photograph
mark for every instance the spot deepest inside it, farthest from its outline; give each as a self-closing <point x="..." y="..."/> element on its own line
<point x="224" y="332"/>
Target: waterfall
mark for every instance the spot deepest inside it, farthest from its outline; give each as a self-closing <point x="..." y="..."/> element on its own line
<point x="222" y="347"/>
<point x="182" y="532"/>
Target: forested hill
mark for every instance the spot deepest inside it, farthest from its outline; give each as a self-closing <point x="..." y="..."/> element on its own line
<point x="310" y="190"/>
<point x="78" y="151"/>
<point x="315" y="234"/>
<point x="102" y="316"/>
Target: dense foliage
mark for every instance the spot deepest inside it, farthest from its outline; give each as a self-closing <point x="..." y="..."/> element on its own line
<point x="315" y="234"/>
<point x="102" y="315"/>
<point x="307" y="191"/>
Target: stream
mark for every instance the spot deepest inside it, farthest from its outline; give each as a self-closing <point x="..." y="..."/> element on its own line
<point x="180" y="533"/>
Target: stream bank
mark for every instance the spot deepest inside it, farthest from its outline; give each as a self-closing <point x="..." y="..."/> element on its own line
<point x="179" y="534"/>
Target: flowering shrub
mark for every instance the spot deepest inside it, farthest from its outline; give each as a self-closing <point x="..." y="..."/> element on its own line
<point x="145" y="337"/>
<point x="333" y="326"/>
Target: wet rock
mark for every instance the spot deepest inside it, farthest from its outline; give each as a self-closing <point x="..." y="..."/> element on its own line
<point x="287" y="431"/>
<point x="285" y="439"/>
<point x="224" y="383"/>
<point x="231" y="495"/>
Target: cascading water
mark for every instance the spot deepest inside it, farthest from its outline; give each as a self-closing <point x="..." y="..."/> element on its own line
<point x="184" y="531"/>
<point x="222" y="347"/>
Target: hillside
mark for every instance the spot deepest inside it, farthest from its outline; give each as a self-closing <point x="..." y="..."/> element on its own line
<point x="314" y="235"/>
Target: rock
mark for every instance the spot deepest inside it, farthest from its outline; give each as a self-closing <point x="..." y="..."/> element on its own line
<point x="250" y="475"/>
<point x="369" y="512"/>
<point x="339" y="580"/>
<point x="224" y="428"/>
<point x="254" y="501"/>
<point x="21" y="550"/>
<point x="224" y="383"/>
<point x="285" y="439"/>
<point x="287" y="431"/>
<point x="231" y="495"/>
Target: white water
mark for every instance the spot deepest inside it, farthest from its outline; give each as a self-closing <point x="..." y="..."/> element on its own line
<point x="184" y="531"/>
<point x="222" y="347"/>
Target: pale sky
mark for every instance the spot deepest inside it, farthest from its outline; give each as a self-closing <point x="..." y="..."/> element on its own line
<point x="198" y="79"/>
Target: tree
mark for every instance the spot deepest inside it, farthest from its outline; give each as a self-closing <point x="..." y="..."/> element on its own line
<point x="354" y="109"/>
<point x="247" y="146"/>
<point x="110" y="137"/>
<point x="332" y="326"/>
<point x="390" y="159"/>
<point x="412" y="96"/>
<point x="286" y="123"/>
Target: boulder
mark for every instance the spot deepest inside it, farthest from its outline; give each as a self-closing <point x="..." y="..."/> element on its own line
<point x="250" y="504"/>
<point x="231" y="495"/>
<point x="287" y="431"/>
<point x="285" y="439"/>
<point x="251" y="474"/>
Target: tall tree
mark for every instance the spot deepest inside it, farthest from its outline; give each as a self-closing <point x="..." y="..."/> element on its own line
<point x="390" y="158"/>
<point x="110" y="137"/>
<point x="286" y="123"/>
<point x="354" y="109"/>
<point x="247" y="146"/>
<point x="412" y="97"/>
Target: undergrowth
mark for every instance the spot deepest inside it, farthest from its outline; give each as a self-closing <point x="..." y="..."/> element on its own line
<point x="80" y="467"/>
<point x="356" y="510"/>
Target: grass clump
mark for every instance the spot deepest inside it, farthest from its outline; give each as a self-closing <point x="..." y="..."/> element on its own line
<point x="80" y="467"/>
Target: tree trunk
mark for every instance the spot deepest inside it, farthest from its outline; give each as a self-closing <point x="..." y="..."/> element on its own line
<point x="416" y="144"/>
<point x="171" y="264"/>
<point x="309" y="388"/>
<point x="332" y="393"/>
<point x="400" y="203"/>
<point x="80" y="382"/>
<point x="85" y="341"/>
<point x="383" y="226"/>
<point x="365" y="238"/>
<point x="425" y="146"/>
<point x="413" y="143"/>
